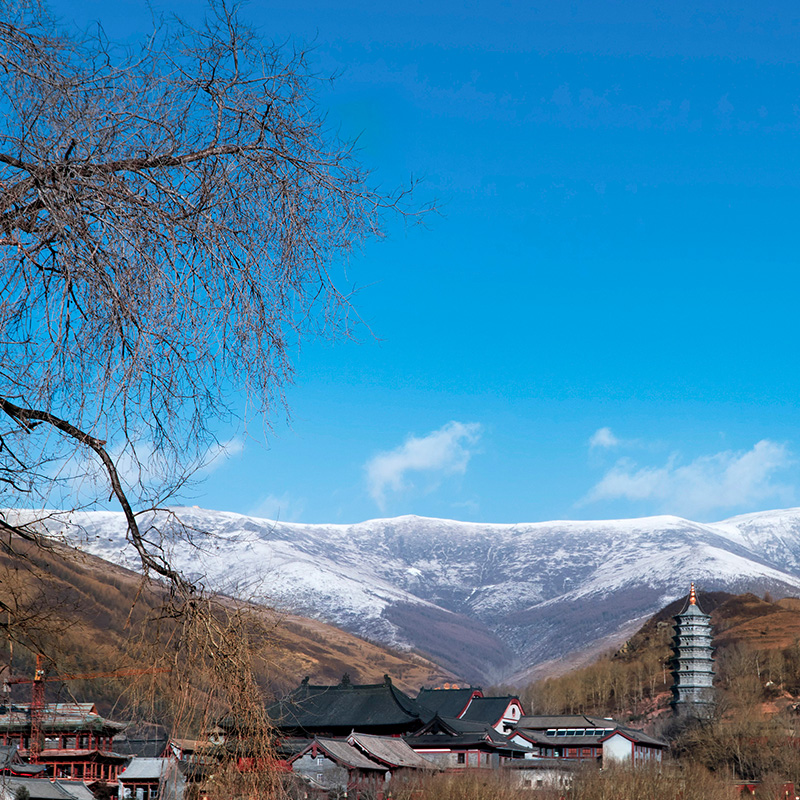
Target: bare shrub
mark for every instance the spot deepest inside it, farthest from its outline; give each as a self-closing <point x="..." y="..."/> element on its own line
<point x="465" y="785"/>
<point x="664" y="782"/>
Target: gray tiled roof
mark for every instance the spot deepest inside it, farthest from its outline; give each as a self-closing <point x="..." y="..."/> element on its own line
<point x="7" y="752"/>
<point x="445" y="702"/>
<point x="546" y="721"/>
<point x="391" y="751"/>
<point x="347" y="707"/>
<point x="639" y="737"/>
<point x="487" y="709"/>
<point x="144" y="769"/>
<point x="11" y="761"/>
<point x="57" y="717"/>
<point x="38" y="788"/>
<point x="344" y="753"/>
<point x="481" y="741"/>
<point x="534" y="727"/>
<point x="76" y="789"/>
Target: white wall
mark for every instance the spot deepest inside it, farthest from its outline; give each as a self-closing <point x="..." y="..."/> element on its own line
<point x="617" y="748"/>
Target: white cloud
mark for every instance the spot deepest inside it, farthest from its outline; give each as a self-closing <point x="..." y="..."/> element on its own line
<point x="219" y="453"/>
<point x="603" y="437"/>
<point x="278" y="507"/>
<point x="726" y="480"/>
<point x="446" y="451"/>
<point x="142" y="463"/>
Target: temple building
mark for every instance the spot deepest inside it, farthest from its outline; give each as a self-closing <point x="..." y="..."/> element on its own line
<point x="329" y="711"/>
<point x="76" y="741"/>
<point x="692" y="662"/>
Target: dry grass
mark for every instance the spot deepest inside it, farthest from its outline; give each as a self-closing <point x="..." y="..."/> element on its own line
<point x="467" y="785"/>
<point x="667" y="782"/>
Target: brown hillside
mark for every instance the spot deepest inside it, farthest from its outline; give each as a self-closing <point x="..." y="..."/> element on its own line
<point x="634" y="681"/>
<point x="761" y="624"/>
<point x="85" y="613"/>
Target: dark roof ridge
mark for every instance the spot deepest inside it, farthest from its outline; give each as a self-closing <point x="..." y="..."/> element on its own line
<point x="345" y="687"/>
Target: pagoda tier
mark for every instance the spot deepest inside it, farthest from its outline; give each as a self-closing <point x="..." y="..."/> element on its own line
<point x="692" y="662"/>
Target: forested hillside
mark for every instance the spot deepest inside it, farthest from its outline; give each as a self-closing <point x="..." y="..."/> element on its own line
<point x="757" y="652"/>
<point x="751" y="635"/>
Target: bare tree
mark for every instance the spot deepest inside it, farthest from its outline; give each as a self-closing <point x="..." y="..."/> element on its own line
<point x="170" y="218"/>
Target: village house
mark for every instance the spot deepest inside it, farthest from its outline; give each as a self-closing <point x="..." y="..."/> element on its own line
<point x="335" y="765"/>
<point x="627" y="745"/>
<point x="457" y="728"/>
<point x="502" y="713"/>
<point x="463" y="744"/>
<point x="578" y="737"/>
<point x="391" y="752"/>
<point x="542" y="773"/>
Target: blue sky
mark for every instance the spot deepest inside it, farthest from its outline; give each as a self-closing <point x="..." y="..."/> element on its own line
<point x="602" y="322"/>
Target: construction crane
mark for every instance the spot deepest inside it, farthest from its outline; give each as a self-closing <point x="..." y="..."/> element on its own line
<point x="37" y="695"/>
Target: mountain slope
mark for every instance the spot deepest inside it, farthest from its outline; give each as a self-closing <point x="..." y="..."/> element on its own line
<point x="756" y="660"/>
<point x="80" y="599"/>
<point x="486" y="600"/>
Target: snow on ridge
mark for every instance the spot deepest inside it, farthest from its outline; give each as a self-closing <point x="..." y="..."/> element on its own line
<point x="527" y="583"/>
<point x="761" y="515"/>
<point x="655" y="522"/>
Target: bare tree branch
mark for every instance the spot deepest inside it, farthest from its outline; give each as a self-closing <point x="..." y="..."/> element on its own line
<point x="172" y="222"/>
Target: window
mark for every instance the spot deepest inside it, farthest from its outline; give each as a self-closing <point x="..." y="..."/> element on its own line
<point x="70" y="742"/>
<point x="461" y="758"/>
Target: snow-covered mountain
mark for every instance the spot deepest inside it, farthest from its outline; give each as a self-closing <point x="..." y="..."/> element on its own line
<point x="486" y="600"/>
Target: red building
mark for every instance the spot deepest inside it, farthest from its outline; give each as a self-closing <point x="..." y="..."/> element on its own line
<point x="76" y="740"/>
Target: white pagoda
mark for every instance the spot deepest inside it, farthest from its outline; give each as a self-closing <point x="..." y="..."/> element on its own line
<point x="692" y="663"/>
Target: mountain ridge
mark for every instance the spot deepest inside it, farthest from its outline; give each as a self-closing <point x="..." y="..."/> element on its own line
<point x="491" y="599"/>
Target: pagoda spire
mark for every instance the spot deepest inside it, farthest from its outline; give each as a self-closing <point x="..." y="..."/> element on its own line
<point x="692" y="595"/>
